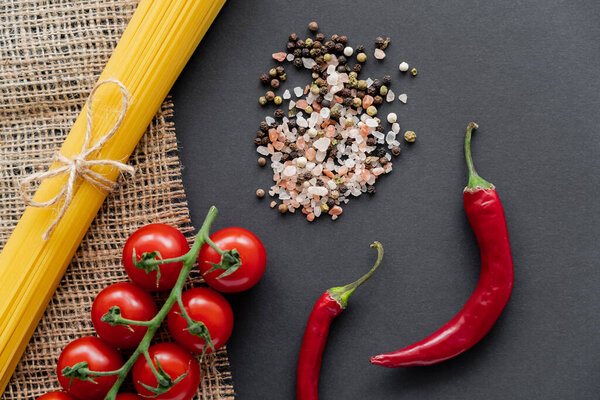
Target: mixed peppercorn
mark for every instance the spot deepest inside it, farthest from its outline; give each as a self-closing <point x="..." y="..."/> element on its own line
<point x="329" y="144"/>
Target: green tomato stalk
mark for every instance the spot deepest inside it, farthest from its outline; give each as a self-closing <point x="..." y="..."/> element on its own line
<point x="150" y="262"/>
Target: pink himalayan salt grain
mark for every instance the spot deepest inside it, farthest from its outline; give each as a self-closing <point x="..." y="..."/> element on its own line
<point x="335" y="210"/>
<point x="310" y="217"/>
<point x="302" y="104"/>
<point x="310" y="154"/>
<point x="379" y="54"/>
<point x="273" y="204"/>
<point x="279" y="56"/>
<point x="367" y="101"/>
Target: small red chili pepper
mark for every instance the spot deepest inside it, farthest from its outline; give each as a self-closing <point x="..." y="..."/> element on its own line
<point x="330" y="305"/>
<point x="480" y="313"/>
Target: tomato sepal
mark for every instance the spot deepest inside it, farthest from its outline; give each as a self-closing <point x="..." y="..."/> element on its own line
<point x="165" y="382"/>
<point x="148" y="263"/>
<point x="230" y="262"/>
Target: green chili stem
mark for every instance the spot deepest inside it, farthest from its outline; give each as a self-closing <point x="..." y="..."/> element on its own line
<point x="188" y="263"/>
<point x="474" y="179"/>
<point x="342" y="293"/>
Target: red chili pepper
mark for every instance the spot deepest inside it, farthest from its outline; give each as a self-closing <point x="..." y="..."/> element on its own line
<point x="330" y="305"/>
<point x="479" y="315"/>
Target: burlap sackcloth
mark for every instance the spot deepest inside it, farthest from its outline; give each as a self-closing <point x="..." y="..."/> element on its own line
<point x="52" y="52"/>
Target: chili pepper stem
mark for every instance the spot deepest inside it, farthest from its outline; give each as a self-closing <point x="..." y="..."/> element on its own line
<point x="475" y="181"/>
<point x="342" y="293"/>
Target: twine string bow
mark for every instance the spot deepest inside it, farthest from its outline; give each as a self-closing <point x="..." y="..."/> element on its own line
<point x="79" y="165"/>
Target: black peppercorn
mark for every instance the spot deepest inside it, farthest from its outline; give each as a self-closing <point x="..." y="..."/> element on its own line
<point x="343" y="39"/>
<point x="297" y="52"/>
<point x="370" y="189"/>
<point x="326" y="103"/>
<point x="387" y="80"/>
<point x="345" y="92"/>
<point x="320" y="60"/>
<point x="377" y="100"/>
<point x="379" y="42"/>
<point x="274" y="83"/>
<point x="342" y="60"/>
<point x="280" y="70"/>
<point x="307" y="176"/>
<point x="305" y="53"/>
<point x="317" y="44"/>
<point x="339" y="48"/>
<point x="293" y="37"/>
<point x="301" y="130"/>
<point x="360" y="94"/>
<point x="300" y="43"/>
<point x="293" y="154"/>
<point x="348" y="102"/>
<point x="371" y="91"/>
<point x="357" y="68"/>
<point x="330" y="203"/>
<point x="264" y="126"/>
<point x="341" y="68"/>
<point x="339" y="137"/>
<point x="290" y="46"/>
<point x="285" y="157"/>
<point x="380" y="152"/>
<point x="313" y="26"/>
<point x="258" y="141"/>
<point x="360" y="49"/>
<point x="278" y="113"/>
<point x="329" y="46"/>
<point x="343" y="189"/>
<point x="273" y="125"/>
<point x="314" y="53"/>
<point x="269" y="95"/>
<point x="333" y="153"/>
<point x="371" y="141"/>
<point x="377" y="83"/>
<point x="298" y="62"/>
<point x="319" y="182"/>
<point x="349" y="141"/>
<point x="316" y="68"/>
<point x="293" y="146"/>
<point x="320" y="37"/>
<point x="265" y="141"/>
<point x="264" y="78"/>
<point x="260" y="134"/>
<point x="383" y="161"/>
<point x="323" y="91"/>
<point x="335" y="37"/>
<point x="380" y="128"/>
<point x="292" y="124"/>
<point x="396" y="150"/>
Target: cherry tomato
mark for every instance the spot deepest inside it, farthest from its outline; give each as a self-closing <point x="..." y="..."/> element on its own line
<point x="252" y="254"/>
<point x="135" y="304"/>
<point x="100" y="356"/>
<point x="128" y="396"/>
<point x="207" y="306"/>
<point x="175" y="361"/>
<point x="55" y="396"/>
<point x="161" y="238"/>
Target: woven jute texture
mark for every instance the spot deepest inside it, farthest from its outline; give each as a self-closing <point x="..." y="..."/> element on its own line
<point x="51" y="54"/>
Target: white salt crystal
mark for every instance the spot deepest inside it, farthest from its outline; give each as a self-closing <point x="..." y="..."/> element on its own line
<point x="269" y="120"/>
<point x="318" y="190"/>
<point x="308" y="62"/>
<point x="349" y="163"/>
<point x="317" y="170"/>
<point x="310" y="165"/>
<point x="332" y="78"/>
<point x="290" y="170"/>
<point x="403" y="97"/>
<point x="396" y="127"/>
<point x="276" y="157"/>
<point x="292" y="104"/>
<point x="330" y="69"/>
<point x="390" y="137"/>
<point x="322" y="144"/>
<point x="298" y="91"/>
<point x="378" y="135"/>
<point x="331" y="184"/>
<point x="325" y="112"/>
<point x="301" y="121"/>
<point x="369" y="82"/>
<point x="354" y="148"/>
<point x="320" y="156"/>
<point x="390" y="96"/>
<point x="262" y="150"/>
<point x="328" y="96"/>
<point x="317" y="212"/>
<point x="290" y="57"/>
<point x="371" y="123"/>
<point x="286" y="94"/>
<point x="284" y="196"/>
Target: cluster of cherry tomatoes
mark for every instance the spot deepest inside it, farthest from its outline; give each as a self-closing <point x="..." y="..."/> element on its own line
<point x="136" y="304"/>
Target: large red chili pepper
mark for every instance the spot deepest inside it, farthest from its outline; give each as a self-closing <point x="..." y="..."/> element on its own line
<point x="480" y="313"/>
<point x="330" y="305"/>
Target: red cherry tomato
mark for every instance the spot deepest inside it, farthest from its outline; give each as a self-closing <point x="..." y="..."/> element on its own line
<point x="135" y="304"/>
<point x="128" y="396"/>
<point x="175" y="361"/>
<point x="55" y="396"/>
<point x="166" y="240"/>
<point x="207" y="306"/>
<point x="252" y="254"/>
<point x="100" y="356"/>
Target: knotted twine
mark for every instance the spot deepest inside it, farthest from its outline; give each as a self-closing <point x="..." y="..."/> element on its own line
<point x="78" y="165"/>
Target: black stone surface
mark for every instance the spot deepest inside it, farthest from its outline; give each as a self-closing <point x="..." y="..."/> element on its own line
<point x="529" y="73"/>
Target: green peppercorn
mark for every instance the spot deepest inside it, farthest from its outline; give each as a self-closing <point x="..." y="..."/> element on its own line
<point x="292" y="112"/>
<point x="314" y="75"/>
<point x="361" y="57"/>
<point x="335" y="113"/>
<point x="356" y="102"/>
<point x="362" y="84"/>
<point x="324" y="208"/>
<point x="308" y="42"/>
<point x="337" y="180"/>
<point x="369" y="159"/>
<point x="334" y="142"/>
<point x="273" y="72"/>
<point x="383" y="90"/>
<point x="314" y="89"/>
<point x="352" y="74"/>
<point x="327" y="57"/>
<point x="410" y="136"/>
<point x="308" y="109"/>
<point x="277" y="100"/>
<point x="372" y="111"/>
<point x="264" y="79"/>
<point x="282" y="77"/>
<point x="352" y="81"/>
<point x="262" y="100"/>
<point x="270" y="96"/>
<point x="414" y="72"/>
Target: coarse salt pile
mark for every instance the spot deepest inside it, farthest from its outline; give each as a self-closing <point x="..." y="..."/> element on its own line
<point x="330" y="146"/>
